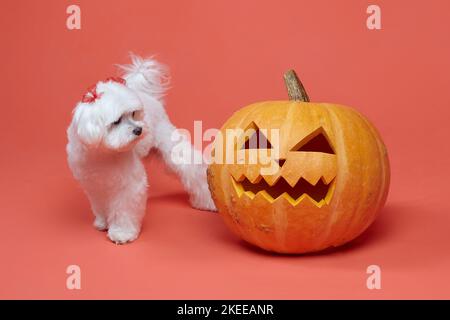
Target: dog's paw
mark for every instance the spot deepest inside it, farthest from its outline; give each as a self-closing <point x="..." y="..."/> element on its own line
<point x="203" y="202"/>
<point x="120" y="235"/>
<point x="100" y="223"/>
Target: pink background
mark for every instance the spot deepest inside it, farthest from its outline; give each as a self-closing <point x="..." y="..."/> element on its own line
<point x="223" y="55"/>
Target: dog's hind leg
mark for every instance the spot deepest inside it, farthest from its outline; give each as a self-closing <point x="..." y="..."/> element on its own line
<point x="185" y="161"/>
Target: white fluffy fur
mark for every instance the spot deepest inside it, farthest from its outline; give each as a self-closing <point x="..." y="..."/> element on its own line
<point x="106" y="158"/>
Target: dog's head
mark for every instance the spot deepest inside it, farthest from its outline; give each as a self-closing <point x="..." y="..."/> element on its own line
<point x="110" y="117"/>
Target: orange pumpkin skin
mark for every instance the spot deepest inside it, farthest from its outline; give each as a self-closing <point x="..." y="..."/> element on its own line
<point x="357" y="175"/>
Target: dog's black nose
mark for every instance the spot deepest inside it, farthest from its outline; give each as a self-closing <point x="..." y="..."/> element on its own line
<point x="137" y="131"/>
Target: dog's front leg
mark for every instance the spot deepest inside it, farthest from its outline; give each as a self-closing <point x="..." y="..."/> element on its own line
<point x="126" y="214"/>
<point x="98" y="209"/>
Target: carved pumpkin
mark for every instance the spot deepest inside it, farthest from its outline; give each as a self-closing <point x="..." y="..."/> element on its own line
<point x="332" y="174"/>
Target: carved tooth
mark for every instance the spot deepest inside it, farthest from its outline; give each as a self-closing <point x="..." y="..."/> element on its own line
<point x="329" y="172"/>
<point x="299" y="199"/>
<point x="304" y="196"/>
<point x="317" y="204"/>
<point x="291" y="180"/>
<point x="238" y="187"/>
<point x="255" y="180"/>
<point x="253" y="175"/>
<point x="249" y="194"/>
<point x="328" y="177"/>
<point x="271" y="180"/>
<point x="312" y="178"/>
<point x="237" y="176"/>
<point x="291" y="200"/>
<point x="266" y="196"/>
<point x="321" y="203"/>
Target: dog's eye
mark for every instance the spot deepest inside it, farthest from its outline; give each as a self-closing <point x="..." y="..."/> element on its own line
<point x="137" y="115"/>
<point x="117" y="121"/>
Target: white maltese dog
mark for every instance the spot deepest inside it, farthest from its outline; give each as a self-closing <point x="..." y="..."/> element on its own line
<point x="116" y="124"/>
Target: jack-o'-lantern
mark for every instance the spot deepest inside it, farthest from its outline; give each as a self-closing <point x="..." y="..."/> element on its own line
<point x="331" y="177"/>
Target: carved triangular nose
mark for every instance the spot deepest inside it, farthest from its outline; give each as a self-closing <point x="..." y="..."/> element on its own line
<point x="281" y="162"/>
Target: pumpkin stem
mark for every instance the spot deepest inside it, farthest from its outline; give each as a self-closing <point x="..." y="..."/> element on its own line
<point x="296" y="90"/>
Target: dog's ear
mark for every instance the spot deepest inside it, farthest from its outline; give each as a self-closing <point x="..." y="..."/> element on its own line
<point x="88" y="124"/>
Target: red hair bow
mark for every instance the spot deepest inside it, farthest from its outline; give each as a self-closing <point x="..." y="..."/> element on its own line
<point x="91" y="95"/>
<point x="116" y="79"/>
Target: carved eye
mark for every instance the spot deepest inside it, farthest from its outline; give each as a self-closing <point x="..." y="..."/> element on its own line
<point x="257" y="139"/>
<point x="317" y="142"/>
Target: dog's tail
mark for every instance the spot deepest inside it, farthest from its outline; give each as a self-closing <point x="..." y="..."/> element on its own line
<point x="146" y="76"/>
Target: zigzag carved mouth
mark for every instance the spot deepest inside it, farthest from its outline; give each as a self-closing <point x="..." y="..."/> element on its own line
<point x="319" y="194"/>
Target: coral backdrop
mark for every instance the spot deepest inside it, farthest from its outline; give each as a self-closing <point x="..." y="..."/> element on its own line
<point x="222" y="55"/>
